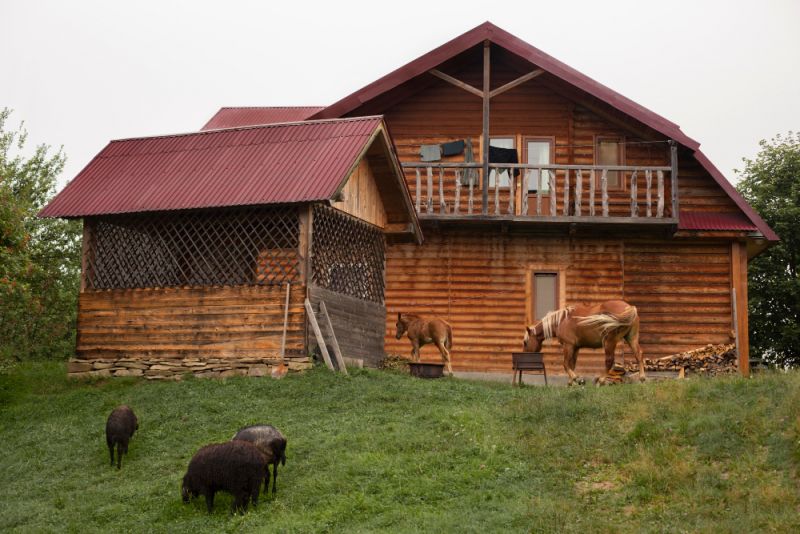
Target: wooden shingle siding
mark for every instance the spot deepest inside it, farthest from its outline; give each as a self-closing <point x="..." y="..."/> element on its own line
<point x="211" y="322"/>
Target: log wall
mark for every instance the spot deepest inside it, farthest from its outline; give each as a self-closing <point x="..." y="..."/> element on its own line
<point x="477" y="282"/>
<point x="361" y="198"/>
<point x="177" y="323"/>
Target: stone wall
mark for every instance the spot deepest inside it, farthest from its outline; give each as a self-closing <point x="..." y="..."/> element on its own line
<point x="175" y="369"/>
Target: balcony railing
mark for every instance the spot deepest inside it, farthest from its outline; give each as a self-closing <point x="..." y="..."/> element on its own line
<point x="555" y="192"/>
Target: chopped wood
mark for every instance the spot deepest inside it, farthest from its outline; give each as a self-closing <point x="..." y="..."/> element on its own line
<point x="710" y="360"/>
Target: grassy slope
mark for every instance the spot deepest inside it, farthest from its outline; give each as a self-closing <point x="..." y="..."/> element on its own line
<point x="384" y="452"/>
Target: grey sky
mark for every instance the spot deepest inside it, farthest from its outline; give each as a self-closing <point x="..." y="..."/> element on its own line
<point x="85" y="72"/>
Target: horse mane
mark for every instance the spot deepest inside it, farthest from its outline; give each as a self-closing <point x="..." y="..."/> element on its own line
<point x="552" y="319"/>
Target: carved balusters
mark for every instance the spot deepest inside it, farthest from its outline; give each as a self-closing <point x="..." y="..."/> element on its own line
<point x="429" y="201"/>
<point x="591" y="193"/>
<point x="442" y="203"/>
<point x="418" y="190"/>
<point x="660" y="206"/>
<point x="458" y="192"/>
<point x="648" y="178"/>
<point x="604" y="191"/>
<point x="566" y="192"/>
<point x="551" y="176"/>
<point x="511" y="191"/>
<point x="578" y="192"/>
<point x="634" y="195"/>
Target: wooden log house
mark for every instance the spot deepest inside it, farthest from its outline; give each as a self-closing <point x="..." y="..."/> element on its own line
<point x="606" y="200"/>
<point x="201" y="249"/>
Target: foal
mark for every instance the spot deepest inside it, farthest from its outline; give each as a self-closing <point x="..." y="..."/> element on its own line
<point x="421" y="332"/>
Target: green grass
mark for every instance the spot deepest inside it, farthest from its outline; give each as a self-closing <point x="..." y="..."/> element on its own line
<point x="382" y="452"/>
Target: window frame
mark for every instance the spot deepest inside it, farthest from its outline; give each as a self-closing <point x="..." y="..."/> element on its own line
<point x="551" y="140"/>
<point x="515" y="139"/>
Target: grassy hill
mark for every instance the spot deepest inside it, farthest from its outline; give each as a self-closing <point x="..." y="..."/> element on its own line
<point x="380" y="451"/>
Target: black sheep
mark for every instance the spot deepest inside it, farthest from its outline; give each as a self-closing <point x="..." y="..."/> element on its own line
<point x="120" y="426"/>
<point x="234" y="466"/>
<point x="272" y="443"/>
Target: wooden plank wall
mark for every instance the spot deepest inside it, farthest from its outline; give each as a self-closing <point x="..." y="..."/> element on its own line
<point x="358" y="324"/>
<point x="476" y="281"/>
<point x="361" y="197"/>
<point x="213" y="322"/>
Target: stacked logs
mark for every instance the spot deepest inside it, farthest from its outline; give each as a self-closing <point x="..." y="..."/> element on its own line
<point x="710" y="360"/>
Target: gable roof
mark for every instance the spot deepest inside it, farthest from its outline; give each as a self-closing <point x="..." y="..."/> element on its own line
<point x="489" y="32"/>
<point x="271" y="164"/>
<point x="234" y="117"/>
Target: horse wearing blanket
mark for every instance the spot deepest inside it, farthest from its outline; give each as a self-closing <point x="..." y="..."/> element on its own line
<point x="592" y="326"/>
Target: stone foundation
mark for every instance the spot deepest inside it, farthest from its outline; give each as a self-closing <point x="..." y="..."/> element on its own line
<point x="163" y="369"/>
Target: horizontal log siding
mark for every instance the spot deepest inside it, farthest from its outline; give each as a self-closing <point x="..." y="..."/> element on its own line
<point x="476" y="281"/>
<point x="682" y="292"/>
<point x="358" y="325"/>
<point x="213" y="322"/>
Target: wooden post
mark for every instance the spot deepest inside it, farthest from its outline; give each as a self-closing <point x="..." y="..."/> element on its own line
<point x="551" y="176"/>
<point x="318" y="334"/>
<point x="458" y="191"/>
<point x="604" y="191"/>
<point x="673" y="175"/>
<point x="419" y="187"/>
<point x="648" y="178"/>
<point x="578" y="191"/>
<point x="469" y="202"/>
<point x="442" y="205"/>
<point x="429" y="201"/>
<point x="538" y="191"/>
<point x="739" y="289"/>
<point x="485" y="145"/>
<point x="591" y="193"/>
<point x="285" y="320"/>
<point x="306" y="215"/>
<point x="497" y="191"/>
<point x="86" y="251"/>
<point x="512" y="191"/>
<point x="660" y="205"/>
<point x="634" y="195"/>
<point x="526" y="176"/>
<point x="566" y="192"/>
<point x="336" y="351"/>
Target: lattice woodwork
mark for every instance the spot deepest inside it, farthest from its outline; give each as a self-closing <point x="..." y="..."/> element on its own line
<point x="347" y="255"/>
<point x="251" y="246"/>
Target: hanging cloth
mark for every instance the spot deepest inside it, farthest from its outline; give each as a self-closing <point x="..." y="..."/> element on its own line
<point x="503" y="155"/>
<point x="453" y="148"/>
<point x="430" y="152"/>
<point x="470" y="176"/>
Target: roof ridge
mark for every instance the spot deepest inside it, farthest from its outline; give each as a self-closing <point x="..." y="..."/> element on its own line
<point x="250" y="127"/>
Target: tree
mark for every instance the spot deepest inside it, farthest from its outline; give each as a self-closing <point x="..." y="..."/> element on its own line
<point x="39" y="258"/>
<point x="771" y="184"/>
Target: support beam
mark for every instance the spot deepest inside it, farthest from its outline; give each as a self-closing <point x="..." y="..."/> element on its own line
<point x="455" y="81"/>
<point x="510" y="85"/>
<point x="485" y="146"/>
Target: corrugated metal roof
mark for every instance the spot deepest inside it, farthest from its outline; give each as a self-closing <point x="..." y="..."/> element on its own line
<point x="694" y="220"/>
<point x="252" y="116"/>
<point x="489" y="32"/>
<point x="271" y="164"/>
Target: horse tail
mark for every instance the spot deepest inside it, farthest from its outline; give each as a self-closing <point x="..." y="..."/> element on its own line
<point x="607" y="322"/>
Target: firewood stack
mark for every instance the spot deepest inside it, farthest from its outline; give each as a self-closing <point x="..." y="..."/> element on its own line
<point x="710" y="360"/>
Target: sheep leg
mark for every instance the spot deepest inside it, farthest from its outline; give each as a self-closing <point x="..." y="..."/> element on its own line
<point x="209" y="500"/>
<point x="266" y="479"/>
<point x="274" y="477"/>
<point x="122" y="448"/>
<point x="111" y="452"/>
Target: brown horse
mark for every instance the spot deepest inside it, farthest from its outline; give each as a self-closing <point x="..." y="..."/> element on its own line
<point x="600" y="325"/>
<point x="421" y="332"/>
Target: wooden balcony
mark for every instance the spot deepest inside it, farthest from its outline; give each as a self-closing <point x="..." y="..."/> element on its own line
<point x="565" y="194"/>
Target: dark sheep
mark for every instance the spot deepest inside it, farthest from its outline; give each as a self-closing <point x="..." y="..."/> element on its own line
<point x="234" y="466"/>
<point x="272" y="443"/>
<point x="120" y="426"/>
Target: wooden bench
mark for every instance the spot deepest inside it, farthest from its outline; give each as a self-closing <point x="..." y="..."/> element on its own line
<point x="527" y="361"/>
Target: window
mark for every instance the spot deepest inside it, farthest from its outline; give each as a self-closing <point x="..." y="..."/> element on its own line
<point x="609" y="152"/>
<point x="545" y="293"/>
<point x="500" y="142"/>
<point x="538" y="151"/>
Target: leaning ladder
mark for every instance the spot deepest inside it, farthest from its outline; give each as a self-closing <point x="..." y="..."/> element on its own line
<point x="321" y="340"/>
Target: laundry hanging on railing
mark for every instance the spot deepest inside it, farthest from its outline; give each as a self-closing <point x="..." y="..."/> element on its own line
<point x="430" y="152"/>
<point x="503" y="155"/>
<point x="453" y="148"/>
<point x="470" y="176"/>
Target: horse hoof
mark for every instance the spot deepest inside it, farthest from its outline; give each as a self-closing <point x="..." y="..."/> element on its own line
<point x="581" y="381"/>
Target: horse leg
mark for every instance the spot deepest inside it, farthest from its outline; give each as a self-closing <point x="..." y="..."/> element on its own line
<point x="609" y="346"/>
<point x="632" y="339"/>
<point x="414" y="351"/>
<point x="570" y="358"/>
<point x="445" y="355"/>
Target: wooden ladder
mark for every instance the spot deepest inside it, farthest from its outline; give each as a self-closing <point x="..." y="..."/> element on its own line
<point x="321" y="340"/>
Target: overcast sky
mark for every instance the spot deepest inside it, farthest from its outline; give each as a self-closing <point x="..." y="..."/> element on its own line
<point x="81" y="73"/>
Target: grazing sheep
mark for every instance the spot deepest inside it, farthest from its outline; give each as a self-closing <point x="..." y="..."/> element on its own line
<point x="234" y="466"/>
<point x="121" y="425"/>
<point x="272" y="443"/>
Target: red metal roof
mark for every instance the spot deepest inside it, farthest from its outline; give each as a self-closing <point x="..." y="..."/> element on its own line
<point x="500" y="37"/>
<point x="692" y="220"/>
<point x="271" y="164"/>
<point x="252" y="116"/>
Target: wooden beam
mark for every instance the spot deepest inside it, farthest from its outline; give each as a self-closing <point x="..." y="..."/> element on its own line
<point x="673" y="176"/>
<point x="485" y="145"/>
<point x="739" y="311"/>
<point x="510" y="85"/>
<point x="455" y="81"/>
<point x="334" y="342"/>
<point x="318" y="334"/>
<point x="399" y="228"/>
<point x="285" y="322"/>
